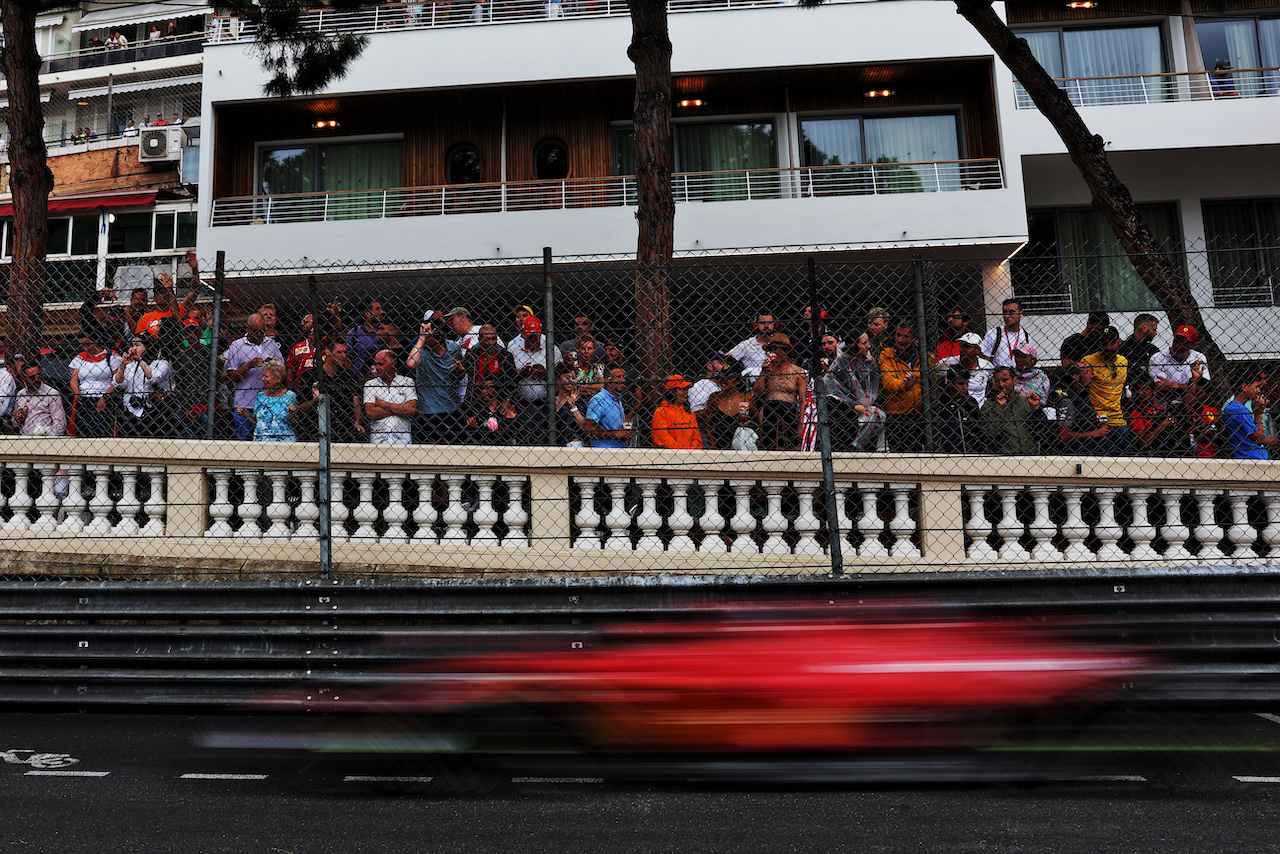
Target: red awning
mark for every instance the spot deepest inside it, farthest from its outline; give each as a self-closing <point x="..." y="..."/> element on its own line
<point x="85" y="204"/>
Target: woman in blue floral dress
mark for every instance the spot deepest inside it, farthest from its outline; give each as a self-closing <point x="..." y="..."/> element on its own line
<point x="274" y="407"/>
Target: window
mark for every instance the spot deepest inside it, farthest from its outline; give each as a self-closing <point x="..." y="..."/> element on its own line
<point x="551" y="160"/>
<point x="728" y="149"/>
<point x="69" y="236"/>
<point x="1112" y="59"/>
<point x="330" y="167"/>
<point x="1243" y="239"/>
<point x="1241" y="43"/>
<point x="462" y="164"/>
<point x="1073" y="262"/>
<point x="889" y="140"/>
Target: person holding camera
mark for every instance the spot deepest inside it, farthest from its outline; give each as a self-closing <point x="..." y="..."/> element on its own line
<point x="144" y="382"/>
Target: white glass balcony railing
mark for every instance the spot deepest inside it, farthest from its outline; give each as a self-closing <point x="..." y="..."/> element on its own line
<point x="1224" y="85"/>
<point x="689" y="187"/>
<point x="459" y="13"/>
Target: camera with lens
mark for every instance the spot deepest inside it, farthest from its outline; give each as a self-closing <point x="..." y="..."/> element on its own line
<point x="139" y="401"/>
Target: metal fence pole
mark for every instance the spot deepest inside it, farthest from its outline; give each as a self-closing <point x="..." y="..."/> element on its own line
<point x="211" y="401"/>
<point x="824" y="428"/>
<point x="323" y="494"/>
<point x="922" y="344"/>
<point x="550" y="331"/>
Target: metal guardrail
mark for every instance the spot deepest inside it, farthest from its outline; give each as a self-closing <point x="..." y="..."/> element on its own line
<point x="185" y="644"/>
<point x="104" y="57"/>
<point x="1164" y="88"/>
<point x="728" y="186"/>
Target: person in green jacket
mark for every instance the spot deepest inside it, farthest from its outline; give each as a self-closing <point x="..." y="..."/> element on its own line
<point x="1004" y="416"/>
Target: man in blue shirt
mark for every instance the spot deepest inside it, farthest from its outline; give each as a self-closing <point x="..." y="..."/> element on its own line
<point x="606" y="425"/>
<point x="437" y="362"/>
<point x="1243" y="437"/>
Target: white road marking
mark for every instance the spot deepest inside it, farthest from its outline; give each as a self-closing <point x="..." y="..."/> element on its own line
<point x="223" y="777"/>
<point x="44" y="772"/>
<point x="1246" y="779"/>
<point x="557" y="779"/>
<point x="1111" y="778"/>
<point x="1266" y="716"/>
<point x="360" y="778"/>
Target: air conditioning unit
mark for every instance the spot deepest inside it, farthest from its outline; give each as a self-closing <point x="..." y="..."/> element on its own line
<point x="159" y="144"/>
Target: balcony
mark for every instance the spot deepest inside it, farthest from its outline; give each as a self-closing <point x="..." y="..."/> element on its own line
<point x="1228" y="85"/>
<point x="102" y="57"/>
<point x="688" y="187"/>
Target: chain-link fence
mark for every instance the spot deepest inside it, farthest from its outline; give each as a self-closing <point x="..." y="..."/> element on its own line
<point x="526" y="419"/>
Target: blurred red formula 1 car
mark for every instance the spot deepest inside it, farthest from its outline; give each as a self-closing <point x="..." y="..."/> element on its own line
<point x="796" y="693"/>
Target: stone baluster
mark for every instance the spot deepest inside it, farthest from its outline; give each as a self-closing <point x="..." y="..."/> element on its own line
<point x="1006" y="523"/>
<point x="308" y="509"/>
<point x="714" y="518"/>
<point x="396" y="513"/>
<point x="618" y="519"/>
<point x="485" y="515"/>
<point x="807" y="525"/>
<point x="1198" y="525"/>
<point x="1041" y="528"/>
<point x="1144" y="530"/>
<point x="75" y="505"/>
<point x="277" y="511"/>
<point x="589" y="518"/>
<point x="979" y="528"/>
<point x="154" y="507"/>
<point x="515" y="516"/>
<point x="1271" y="530"/>
<point x="775" y="522"/>
<point x="871" y="525"/>
<point x="1074" y="529"/>
<point x="740" y="521"/>
<point x="454" y="514"/>
<point x="365" y="512"/>
<point x="45" y="502"/>
<point x="1175" y="531"/>
<point x="21" y="502"/>
<point x="1239" y="532"/>
<point x="219" y="504"/>
<point x="1108" y="530"/>
<point x="128" y="505"/>
<point x="250" y="509"/>
<point x="648" y="519"/>
<point x="901" y="525"/>
<point x="849" y="509"/>
<point x="681" y="518"/>
<point x="425" y="514"/>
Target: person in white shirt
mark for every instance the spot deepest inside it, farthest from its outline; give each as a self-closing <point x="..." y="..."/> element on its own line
<point x="1177" y="366"/>
<point x="971" y="359"/>
<point x="8" y="389"/>
<point x="1000" y="342"/>
<point x="390" y="401"/>
<point x="140" y="378"/>
<point x="750" y="351"/>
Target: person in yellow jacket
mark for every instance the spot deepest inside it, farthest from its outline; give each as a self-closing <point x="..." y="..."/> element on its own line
<point x="673" y="425"/>
<point x="903" y="397"/>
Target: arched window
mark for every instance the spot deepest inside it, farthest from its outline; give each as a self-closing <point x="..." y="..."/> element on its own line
<point x="462" y="164"/>
<point x="551" y="160"/>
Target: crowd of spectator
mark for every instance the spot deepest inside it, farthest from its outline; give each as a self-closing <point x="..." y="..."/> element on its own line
<point x="145" y="373"/>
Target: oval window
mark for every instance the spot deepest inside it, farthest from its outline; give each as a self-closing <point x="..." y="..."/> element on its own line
<point x="551" y="160"/>
<point x="462" y="164"/>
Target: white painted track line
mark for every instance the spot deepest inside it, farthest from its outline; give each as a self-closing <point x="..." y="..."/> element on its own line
<point x="1275" y="719"/>
<point x="1257" y="779"/>
<point x="557" y="779"/>
<point x="223" y="777"/>
<point x="39" y="772"/>
<point x="1110" y="778"/>
<point x="360" y="778"/>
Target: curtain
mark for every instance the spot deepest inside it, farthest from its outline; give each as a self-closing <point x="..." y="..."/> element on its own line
<point x="723" y="147"/>
<point x="369" y="166"/>
<point x="1096" y="266"/>
<point x="1046" y="47"/>
<point x="829" y="143"/>
<point x="1242" y="52"/>
<point x="1114" y="53"/>
<point x="913" y="139"/>
<point x="1233" y="259"/>
<point x="288" y="170"/>
<point x="1269" y="42"/>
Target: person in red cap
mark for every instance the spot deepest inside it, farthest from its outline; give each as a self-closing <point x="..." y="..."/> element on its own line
<point x="1178" y="365"/>
<point x="674" y="426"/>
<point x="529" y="352"/>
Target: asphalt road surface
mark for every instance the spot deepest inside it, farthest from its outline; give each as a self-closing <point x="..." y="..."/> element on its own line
<point x="133" y="782"/>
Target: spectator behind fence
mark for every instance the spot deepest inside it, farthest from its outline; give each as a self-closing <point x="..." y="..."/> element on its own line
<point x="589" y="366"/>
<point x="801" y="341"/>
<point x="467" y="330"/>
<point x="188" y="400"/>
<point x="701" y="391"/>
<point x="1178" y="365"/>
<point x="390" y="402"/>
<point x="673" y="425"/>
<point x="1138" y="347"/>
<point x="243" y="369"/>
<point x="490" y="418"/>
<point x="93" y="409"/>
<point x="900" y="372"/>
<point x="1200" y="404"/>
<point x="1240" y="430"/>
<point x="345" y="393"/>
<point x="615" y="357"/>
<point x="957" y="325"/>
<point x="489" y="360"/>
<point x="879" y="336"/>
<point x="1154" y="428"/>
<point x="275" y="407"/>
<point x="1080" y="344"/>
<point x="437" y="362"/>
<point x="136" y="309"/>
<point x="780" y="392"/>
<point x="529" y="352"/>
<point x="971" y="359"/>
<point x="730" y="409"/>
<point x="37" y="407"/>
<point x="751" y="351"/>
<point x="9" y="383"/>
<point x="302" y="355"/>
<point x="1106" y="390"/>
<point x="999" y="344"/>
<point x="1079" y="427"/>
<point x="1006" y="416"/>
<point x="957" y="423"/>
<point x="854" y="419"/>
<point x="143" y="381"/>
<point x="607" y="425"/>
<point x="362" y="340"/>
<point x="570" y="421"/>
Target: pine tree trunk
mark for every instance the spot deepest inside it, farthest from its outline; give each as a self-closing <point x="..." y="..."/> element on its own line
<point x="1087" y="151"/>
<point x="650" y="50"/>
<point x="30" y="179"/>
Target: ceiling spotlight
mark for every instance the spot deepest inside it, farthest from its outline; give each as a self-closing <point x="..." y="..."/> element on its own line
<point x="1083" y="4"/>
<point x="696" y="102"/>
<point x="879" y="93"/>
<point x="325" y="123"/>
<point x="82" y="103"/>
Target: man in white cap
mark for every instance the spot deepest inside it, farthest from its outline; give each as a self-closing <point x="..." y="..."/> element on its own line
<point x="972" y="360"/>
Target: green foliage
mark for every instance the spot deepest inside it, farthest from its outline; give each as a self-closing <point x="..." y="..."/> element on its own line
<point x="300" y="60"/>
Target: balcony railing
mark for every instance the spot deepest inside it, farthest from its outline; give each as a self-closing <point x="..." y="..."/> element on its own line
<point x="462" y="13"/>
<point x="101" y="57"/>
<point x="689" y="187"/>
<point x="1223" y="85"/>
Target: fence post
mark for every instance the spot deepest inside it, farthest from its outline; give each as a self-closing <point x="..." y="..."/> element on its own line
<point x="323" y="494"/>
<point x="824" y="428"/>
<point x="922" y="344"/>
<point x="211" y="412"/>
<point x="549" y="330"/>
